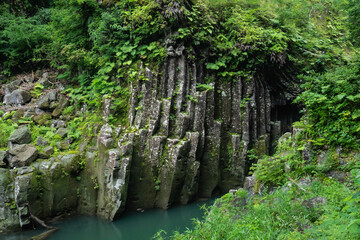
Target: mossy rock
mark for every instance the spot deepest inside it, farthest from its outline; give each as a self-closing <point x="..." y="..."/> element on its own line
<point x="43" y="119"/>
<point x="18" y="115"/>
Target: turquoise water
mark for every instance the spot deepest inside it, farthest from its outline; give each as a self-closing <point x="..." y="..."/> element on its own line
<point x="132" y="226"/>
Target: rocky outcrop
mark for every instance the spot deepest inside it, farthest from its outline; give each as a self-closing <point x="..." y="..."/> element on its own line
<point x="22" y="155"/>
<point x="189" y="138"/>
<point x="21" y="136"/>
<point x="186" y="137"/>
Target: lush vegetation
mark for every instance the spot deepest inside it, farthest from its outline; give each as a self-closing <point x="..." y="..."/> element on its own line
<point x="293" y="198"/>
<point x="97" y="50"/>
<point x="283" y="214"/>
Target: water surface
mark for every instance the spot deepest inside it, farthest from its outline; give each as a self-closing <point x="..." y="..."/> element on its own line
<point x="132" y="226"/>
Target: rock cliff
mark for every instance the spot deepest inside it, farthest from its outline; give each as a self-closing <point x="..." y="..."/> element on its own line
<point x="188" y="135"/>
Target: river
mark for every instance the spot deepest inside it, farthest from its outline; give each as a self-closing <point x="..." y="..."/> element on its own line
<point x="131" y="226"/>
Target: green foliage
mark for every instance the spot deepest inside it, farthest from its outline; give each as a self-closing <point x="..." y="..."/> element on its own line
<point x="354" y="20"/>
<point x="332" y="103"/>
<point x="284" y="164"/>
<point x="37" y="90"/>
<point x="283" y="214"/>
<point x="23" y="42"/>
<point x="7" y="127"/>
<point x="204" y="87"/>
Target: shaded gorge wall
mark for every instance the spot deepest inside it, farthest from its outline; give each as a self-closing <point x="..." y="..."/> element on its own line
<point x="188" y="136"/>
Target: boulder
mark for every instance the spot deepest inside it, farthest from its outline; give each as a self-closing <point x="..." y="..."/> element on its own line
<point x="62" y="132"/>
<point x="18" y="115"/>
<point x="21" y="136"/>
<point x="43" y="119"/>
<point x="22" y="155"/>
<point x="40" y="141"/>
<point x="52" y="96"/>
<point x="43" y="103"/>
<point x="249" y="182"/>
<point x="62" y="145"/>
<point x="63" y="103"/>
<point x="17" y="97"/>
<point x="12" y="86"/>
<point x="48" y="150"/>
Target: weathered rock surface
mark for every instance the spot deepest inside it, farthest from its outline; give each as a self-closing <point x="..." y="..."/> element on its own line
<point x="48" y="150"/>
<point x="187" y="141"/>
<point x="62" y="132"/>
<point x="20" y="136"/>
<point x="2" y="159"/>
<point x="18" y="115"/>
<point x="17" y="97"/>
<point x="44" y="103"/>
<point x="22" y="155"/>
<point x="62" y="103"/>
<point x="41" y="141"/>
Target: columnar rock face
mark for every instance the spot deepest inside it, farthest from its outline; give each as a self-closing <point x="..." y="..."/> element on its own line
<point x="190" y="139"/>
<point x="188" y="136"/>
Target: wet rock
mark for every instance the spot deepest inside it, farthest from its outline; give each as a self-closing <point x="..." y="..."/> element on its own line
<point x="41" y="141"/>
<point x="20" y="136"/>
<point x="22" y="155"/>
<point x="49" y="150"/>
<point x="113" y="182"/>
<point x="63" y="103"/>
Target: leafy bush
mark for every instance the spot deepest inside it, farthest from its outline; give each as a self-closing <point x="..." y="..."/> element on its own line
<point x="22" y="43"/>
<point x="283" y="214"/>
<point x="332" y="106"/>
<point x="7" y="127"/>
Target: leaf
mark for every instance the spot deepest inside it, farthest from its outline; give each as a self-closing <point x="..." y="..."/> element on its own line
<point x="341" y="96"/>
<point x="212" y="66"/>
<point x="356" y="114"/>
<point x="355" y="221"/>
